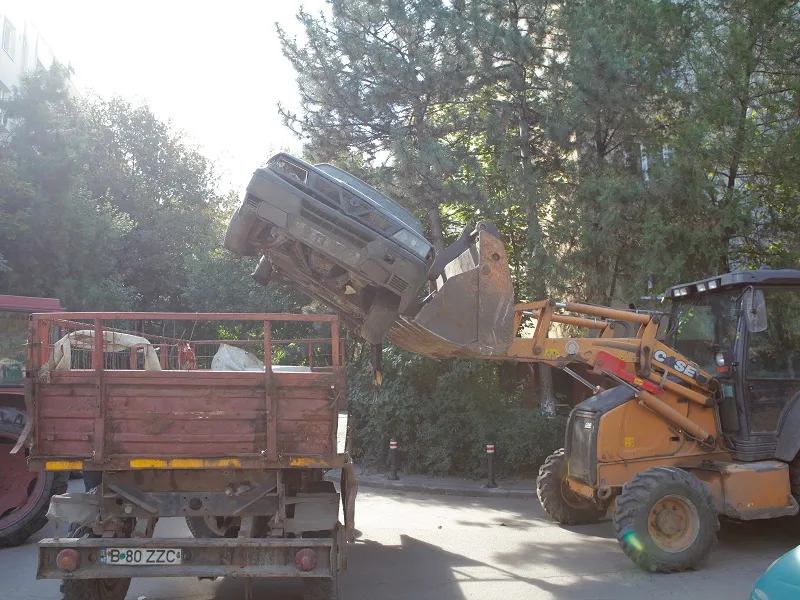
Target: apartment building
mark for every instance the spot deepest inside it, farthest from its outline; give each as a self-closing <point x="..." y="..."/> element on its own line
<point x="22" y="49"/>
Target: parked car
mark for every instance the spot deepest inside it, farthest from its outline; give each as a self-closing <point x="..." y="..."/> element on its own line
<point x="781" y="580"/>
<point x="336" y="238"/>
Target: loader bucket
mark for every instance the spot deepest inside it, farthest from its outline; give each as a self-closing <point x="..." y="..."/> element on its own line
<point x="471" y="313"/>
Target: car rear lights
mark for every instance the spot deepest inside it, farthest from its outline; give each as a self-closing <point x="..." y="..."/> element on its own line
<point x="306" y="559"/>
<point x="68" y="560"/>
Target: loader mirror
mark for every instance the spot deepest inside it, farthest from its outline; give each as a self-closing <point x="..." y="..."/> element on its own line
<point x="755" y="310"/>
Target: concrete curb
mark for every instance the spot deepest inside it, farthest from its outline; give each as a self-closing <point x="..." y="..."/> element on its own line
<point x="433" y="488"/>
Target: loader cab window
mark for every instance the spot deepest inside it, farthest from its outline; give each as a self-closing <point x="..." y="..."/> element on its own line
<point x="775" y="352"/>
<point x="702" y="324"/>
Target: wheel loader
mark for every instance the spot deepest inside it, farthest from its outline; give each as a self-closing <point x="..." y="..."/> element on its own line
<point x="694" y="413"/>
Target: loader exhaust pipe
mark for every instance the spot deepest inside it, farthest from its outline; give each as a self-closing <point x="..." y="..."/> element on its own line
<point x="471" y="311"/>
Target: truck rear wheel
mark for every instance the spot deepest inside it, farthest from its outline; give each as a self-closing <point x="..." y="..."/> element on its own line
<point x="561" y="503"/>
<point x="24" y="496"/>
<point x="381" y="315"/>
<point x="665" y="520"/>
<point x="321" y="588"/>
<point x="213" y="527"/>
<point x="95" y="589"/>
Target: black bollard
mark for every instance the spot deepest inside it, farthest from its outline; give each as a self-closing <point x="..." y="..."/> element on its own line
<point x="393" y="460"/>
<point x="491" y="484"/>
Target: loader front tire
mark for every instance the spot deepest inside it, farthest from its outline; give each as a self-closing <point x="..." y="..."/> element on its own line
<point x="562" y="504"/>
<point x="665" y="520"/>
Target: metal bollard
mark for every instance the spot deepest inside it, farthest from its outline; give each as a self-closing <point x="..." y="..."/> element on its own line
<point x="491" y="484"/>
<point x="393" y="460"/>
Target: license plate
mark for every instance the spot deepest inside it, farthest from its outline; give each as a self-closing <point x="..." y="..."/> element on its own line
<point x="140" y="556"/>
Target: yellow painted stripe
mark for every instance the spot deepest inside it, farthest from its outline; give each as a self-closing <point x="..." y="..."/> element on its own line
<point x="63" y="465"/>
<point x="304" y="461"/>
<point x="184" y="463"/>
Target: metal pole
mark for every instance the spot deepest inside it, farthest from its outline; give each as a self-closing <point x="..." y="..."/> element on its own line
<point x="491" y="484"/>
<point x="393" y="460"/>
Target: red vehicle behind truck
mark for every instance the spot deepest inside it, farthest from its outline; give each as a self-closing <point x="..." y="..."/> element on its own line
<point x="184" y="417"/>
<point x="24" y="496"/>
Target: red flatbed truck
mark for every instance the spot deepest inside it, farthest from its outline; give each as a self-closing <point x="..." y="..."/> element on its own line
<point x="239" y="449"/>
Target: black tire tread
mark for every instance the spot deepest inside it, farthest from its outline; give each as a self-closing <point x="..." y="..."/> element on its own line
<point x="320" y="588"/>
<point x="56" y="483"/>
<point x="636" y="494"/>
<point x="794" y="477"/>
<point x="89" y="589"/>
<point x="548" y="490"/>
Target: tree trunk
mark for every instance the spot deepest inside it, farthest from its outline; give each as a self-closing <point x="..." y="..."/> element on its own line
<point x="547" y="398"/>
<point x="435" y="223"/>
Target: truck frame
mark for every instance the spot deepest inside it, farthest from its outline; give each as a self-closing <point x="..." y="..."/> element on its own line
<point x="239" y="452"/>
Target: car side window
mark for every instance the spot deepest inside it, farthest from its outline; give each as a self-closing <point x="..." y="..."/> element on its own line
<point x="775" y="352"/>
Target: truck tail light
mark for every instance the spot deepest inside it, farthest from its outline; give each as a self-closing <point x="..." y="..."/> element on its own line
<point x="306" y="559"/>
<point x="68" y="560"/>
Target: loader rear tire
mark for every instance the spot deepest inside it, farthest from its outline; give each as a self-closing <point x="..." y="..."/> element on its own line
<point x="794" y="477"/>
<point x="666" y="520"/>
<point x="562" y="504"/>
<point x="382" y="313"/>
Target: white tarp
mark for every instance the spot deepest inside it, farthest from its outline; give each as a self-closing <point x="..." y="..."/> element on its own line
<point x="231" y="358"/>
<point x="112" y="342"/>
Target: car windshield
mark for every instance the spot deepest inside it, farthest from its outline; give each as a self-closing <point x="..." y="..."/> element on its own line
<point x="702" y="324"/>
<point x="13" y="334"/>
<point x="370" y="192"/>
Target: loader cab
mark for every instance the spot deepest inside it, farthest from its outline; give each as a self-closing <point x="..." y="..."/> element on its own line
<point x="744" y="329"/>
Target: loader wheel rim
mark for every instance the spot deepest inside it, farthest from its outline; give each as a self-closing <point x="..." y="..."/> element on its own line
<point x="20" y="490"/>
<point x="673" y="523"/>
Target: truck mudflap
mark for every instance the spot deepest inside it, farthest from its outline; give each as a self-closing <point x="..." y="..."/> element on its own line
<point x="471" y="313"/>
<point x="225" y="557"/>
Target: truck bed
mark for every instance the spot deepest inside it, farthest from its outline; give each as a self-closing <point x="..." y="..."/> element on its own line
<point x="119" y="419"/>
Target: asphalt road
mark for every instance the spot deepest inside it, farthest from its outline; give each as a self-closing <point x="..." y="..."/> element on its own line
<point x="417" y="546"/>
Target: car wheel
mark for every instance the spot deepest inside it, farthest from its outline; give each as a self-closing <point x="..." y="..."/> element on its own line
<point x="382" y="314"/>
<point x="236" y="236"/>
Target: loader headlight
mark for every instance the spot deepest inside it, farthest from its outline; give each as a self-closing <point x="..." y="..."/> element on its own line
<point x="417" y="245"/>
<point x="719" y="358"/>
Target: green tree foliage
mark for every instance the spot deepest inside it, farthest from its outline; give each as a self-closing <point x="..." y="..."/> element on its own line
<point x="621" y="146"/>
<point x="104" y="205"/>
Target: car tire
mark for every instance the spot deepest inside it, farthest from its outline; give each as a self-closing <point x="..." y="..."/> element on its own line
<point x="236" y="236"/>
<point x="383" y="312"/>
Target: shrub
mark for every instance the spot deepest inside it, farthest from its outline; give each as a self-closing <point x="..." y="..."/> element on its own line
<point x="442" y="413"/>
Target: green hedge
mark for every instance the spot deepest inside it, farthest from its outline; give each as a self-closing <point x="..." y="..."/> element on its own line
<point x="442" y="413"/>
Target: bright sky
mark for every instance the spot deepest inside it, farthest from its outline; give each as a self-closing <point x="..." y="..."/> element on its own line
<point x="215" y="71"/>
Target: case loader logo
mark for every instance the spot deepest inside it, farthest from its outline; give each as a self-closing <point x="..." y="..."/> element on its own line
<point x="688" y="369"/>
